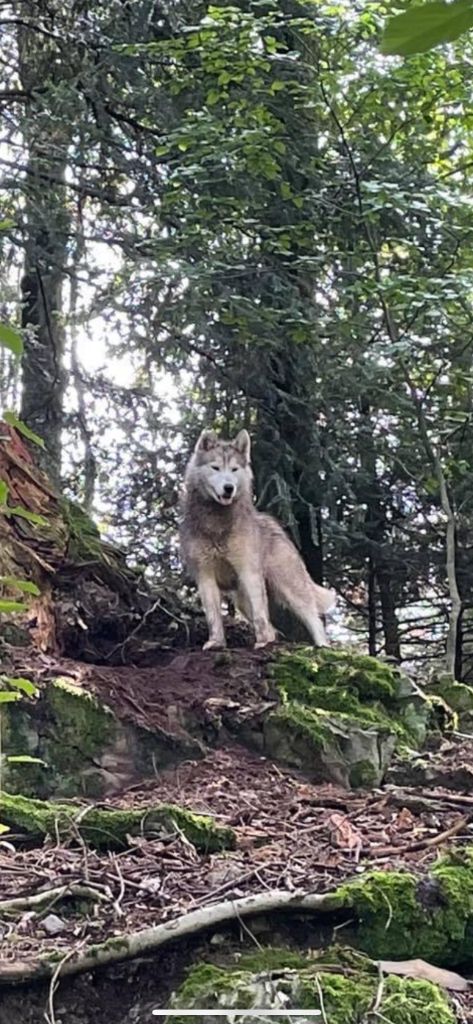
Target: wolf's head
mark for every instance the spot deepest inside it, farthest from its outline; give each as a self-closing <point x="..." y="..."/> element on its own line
<point x="221" y="470"/>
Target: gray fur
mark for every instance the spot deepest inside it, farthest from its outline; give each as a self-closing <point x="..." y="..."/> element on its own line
<point x="231" y="548"/>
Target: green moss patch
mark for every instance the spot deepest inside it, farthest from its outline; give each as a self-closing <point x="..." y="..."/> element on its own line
<point x="84" y="537"/>
<point x="343" y="984"/>
<point x="350" y="686"/>
<point x="85" y="544"/>
<point x="401" y="915"/>
<point x="458" y="696"/>
<point x="85" y="727"/>
<point x="347" y="710"/>
<point x="109" y="829"/>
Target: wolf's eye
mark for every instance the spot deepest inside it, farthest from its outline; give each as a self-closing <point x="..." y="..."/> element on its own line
<point x="234" y="469"/>
<point x="216" y="468"/>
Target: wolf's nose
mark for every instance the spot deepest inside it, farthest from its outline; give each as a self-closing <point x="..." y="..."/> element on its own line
<point x="228" y="490"/>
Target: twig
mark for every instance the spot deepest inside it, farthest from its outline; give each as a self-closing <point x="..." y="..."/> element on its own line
<point x="54" y="984"/>
<point x="117" y="903"/>
<point x="47" y="896"/>
<point x="123" y="643"/>
<point x="233" y="883"/>
<point x="425" y="844"/>
<point x="321" y="998"/>
<point x="373" y="1012"/>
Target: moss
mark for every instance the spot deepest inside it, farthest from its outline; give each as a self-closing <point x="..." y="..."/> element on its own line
<point x="298" y="722"/>
<point x="84" y="537"/>
<point x="415" y="1002"/>
<point x="363" y="774"/>
<point x="295" y="981"/>
<point x="342" y="674"/>
<point x="328" y="744"/>
<point x="199" y="829"/>
<point x="399" y="915"/>
<point x="109" y="829"/>
<point x="83" y="727"/>
<point x="19" y="738"/>
<point x="205" y="981"/>
<point x="270" y="959"/>
<point x="457" y="695"/>
<point x="351" y="687"/>
<point x="346" y="1000"/>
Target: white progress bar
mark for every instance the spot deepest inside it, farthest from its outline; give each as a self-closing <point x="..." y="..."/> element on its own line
<point x="237" y="1013"/>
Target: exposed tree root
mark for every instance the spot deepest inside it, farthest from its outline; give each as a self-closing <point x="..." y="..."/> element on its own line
<point x="126" y="947"/>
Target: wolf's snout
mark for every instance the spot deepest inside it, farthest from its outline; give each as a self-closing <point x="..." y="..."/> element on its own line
<point x="228" y="490"/>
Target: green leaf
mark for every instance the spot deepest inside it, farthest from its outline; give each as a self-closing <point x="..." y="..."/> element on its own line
<point x="12" y="419"/>
<point x="11" y="606"/>
<point x="6" y="224"/>
<point x="25" y="759"/>
<point x="423" y="27"/>
<point x="25" y="685"/>
<point x="3" y="829"/>
<point x="3" y="492"/>
<point x="7" y="696"/>
<point x="23" y="513"/>
<point x="11" y="339"/>
<point x="25" y="586"/>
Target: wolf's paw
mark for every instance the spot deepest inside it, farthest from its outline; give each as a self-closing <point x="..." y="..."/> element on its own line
<point x="214" y="645"/>
<point x="263" y="641"/>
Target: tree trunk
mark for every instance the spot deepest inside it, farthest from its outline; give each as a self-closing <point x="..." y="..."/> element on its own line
<point x="91" y="605"/>
<point x="47" y="136"/>
<point x="371" y="608"/>
<point x="392" y="643"/>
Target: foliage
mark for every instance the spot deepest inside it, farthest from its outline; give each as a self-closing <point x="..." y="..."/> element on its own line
<point x="427" y="25"/>
<point x="11" y="340"/>
<point x="253" y="218"/>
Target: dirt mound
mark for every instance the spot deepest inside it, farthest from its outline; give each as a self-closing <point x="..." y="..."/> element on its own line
<point x="190" y="679"/>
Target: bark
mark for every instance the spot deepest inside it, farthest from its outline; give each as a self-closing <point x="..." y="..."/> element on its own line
<point x="371" y="608"/>
<point x="454" y="617"/>
<point x="392" y="645"/>
<point x="379" y="569"/>
<point x="91" y="605"/>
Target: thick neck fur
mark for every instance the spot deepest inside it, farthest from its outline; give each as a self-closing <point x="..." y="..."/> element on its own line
<point x="208" y="517"/>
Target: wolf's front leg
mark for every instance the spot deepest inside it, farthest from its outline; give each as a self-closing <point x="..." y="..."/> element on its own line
<point x="255" y="599"/>
<point x="212" y="604"/>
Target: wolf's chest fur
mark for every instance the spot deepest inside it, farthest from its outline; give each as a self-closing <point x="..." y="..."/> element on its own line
<point x="218" y="540"/>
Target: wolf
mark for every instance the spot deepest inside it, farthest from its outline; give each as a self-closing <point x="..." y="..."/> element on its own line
<point x="231" y="549"/>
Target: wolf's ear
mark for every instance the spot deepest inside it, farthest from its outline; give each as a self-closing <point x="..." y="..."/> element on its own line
<point x="242" y="444"/>
<point x="206" y="441"/>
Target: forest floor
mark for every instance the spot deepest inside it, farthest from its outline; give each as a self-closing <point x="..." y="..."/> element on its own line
<point x="291" y="834"/>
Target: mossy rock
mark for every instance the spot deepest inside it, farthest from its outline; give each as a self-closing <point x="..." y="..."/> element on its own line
<point x="400" y="915"/>
<point x="458" y="697"/>
<point x="84" y="749"/>
<point x="105" y="828"/>
<point x="345" y="991"/>
<point x="335" y="715"/>
<point x="344" y="712"/>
